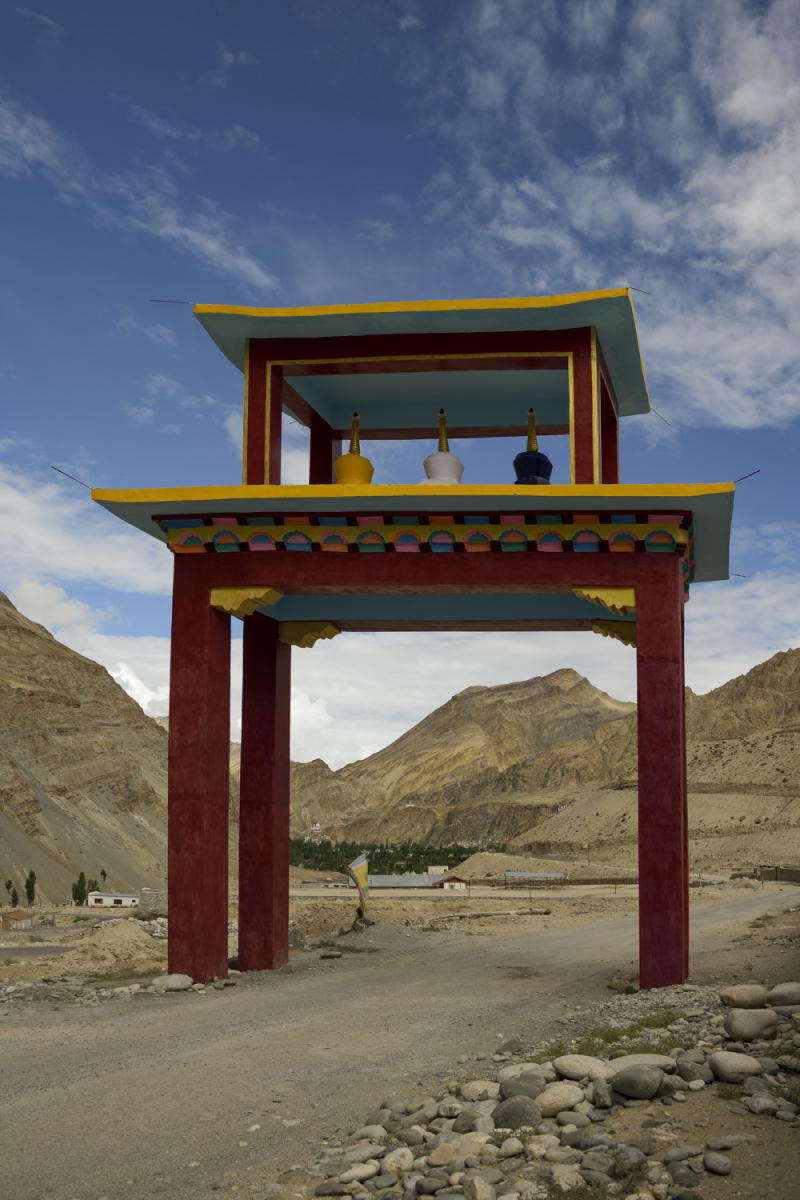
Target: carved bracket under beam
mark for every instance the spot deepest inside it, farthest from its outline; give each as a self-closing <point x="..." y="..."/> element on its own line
<point x="306" y="633"/>
<point x="243" y="601"/>
<point x="618" y="600"/>
<point x="623" y="631"/>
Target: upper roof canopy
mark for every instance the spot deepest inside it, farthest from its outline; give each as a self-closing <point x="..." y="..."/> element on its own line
<point x="463" y="393"/>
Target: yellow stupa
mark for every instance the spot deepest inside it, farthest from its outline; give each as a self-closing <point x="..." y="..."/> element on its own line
<point x="353" y="469"/>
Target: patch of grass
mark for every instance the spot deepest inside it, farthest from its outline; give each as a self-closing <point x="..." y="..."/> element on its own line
<point x="431" y="929"/>
<point x="728" y="1091"/>
<point x="548" y="1189"/>
<point x="9" y="962"/>
<point x="791" y="1093"/>
<point x="766" y="918"/>
<point x="344" y="948"/>
<point x="80" y="918"/>
<point x="35" y="937"/>
<point x="120" y="976"/>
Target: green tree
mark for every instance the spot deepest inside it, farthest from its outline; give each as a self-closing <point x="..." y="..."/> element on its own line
<point x="103" y="876"/>
<point x="30" y="886"/>
<point x="92" y="886"/>
<point x="14" y="898"/>
<point x="79" y="890"/>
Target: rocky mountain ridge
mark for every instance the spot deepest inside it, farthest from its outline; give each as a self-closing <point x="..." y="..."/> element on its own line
<point x="546" y="765"/>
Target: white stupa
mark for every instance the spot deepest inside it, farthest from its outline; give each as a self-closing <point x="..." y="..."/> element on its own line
<point x="442" y="467"/>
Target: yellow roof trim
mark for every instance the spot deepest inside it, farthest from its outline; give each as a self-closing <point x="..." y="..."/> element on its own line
<point x="403" y="306"/>
<point x="580" y="492"/>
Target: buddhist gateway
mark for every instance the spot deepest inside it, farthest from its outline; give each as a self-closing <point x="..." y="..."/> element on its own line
<point x="300" y="563"/>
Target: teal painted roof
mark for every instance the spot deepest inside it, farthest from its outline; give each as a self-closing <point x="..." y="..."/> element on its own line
<point x="406" y="400"/>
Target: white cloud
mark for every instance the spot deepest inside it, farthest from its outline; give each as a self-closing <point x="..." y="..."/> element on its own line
<point x="47" y="24"/>
<point x="144" y="201"/>
<point x="52" y="607"/>
<point x="227" y="59"/>
<point x="139" y="414"/>
<point x="409" y="21"/>
<point x="160" y="335"/>
<point x="231" y="138"/>
<point x="53" y="532"/>
<point x="685" y="185"/>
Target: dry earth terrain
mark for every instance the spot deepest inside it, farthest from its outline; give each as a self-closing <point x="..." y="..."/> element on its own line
<point x="200" y="1093"/>
<point x="545" y="766"/>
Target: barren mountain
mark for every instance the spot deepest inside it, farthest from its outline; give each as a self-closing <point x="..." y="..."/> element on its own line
<point x="82" y="769"/>
<point x="546" y="766"/>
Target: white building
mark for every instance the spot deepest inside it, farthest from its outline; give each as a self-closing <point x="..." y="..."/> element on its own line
<point x="111" y="900"/>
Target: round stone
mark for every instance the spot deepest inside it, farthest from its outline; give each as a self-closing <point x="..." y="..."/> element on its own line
<point x="638" y="1083"/>
<point x="521" y="1111"/>
<point x="401" y="1159"/>
<point x="582" y="1066"/>
<point x="717" y="1164"/>
<point x="747" y="1024"/>
<point x="733" y="1068"/>
<point x="662" y="1061"/>
<point x="744" y="995"/>
<point x="784" y="993"/>
<point x="558" y="1097"/>
<point x="529" y="1083"/>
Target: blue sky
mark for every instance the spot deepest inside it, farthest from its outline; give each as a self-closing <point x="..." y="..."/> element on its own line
<point x="296" y="153"/>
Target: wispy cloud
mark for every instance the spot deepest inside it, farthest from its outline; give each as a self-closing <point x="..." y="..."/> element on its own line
<point x="231" y="138"/>
<point x="144" y="201"/>
<point x="226" y="61"/>
<point x="160" y="335"/>
<point x="67" y="538"/>
<point x="45" y="24"/>
<point x="657" y="146"/>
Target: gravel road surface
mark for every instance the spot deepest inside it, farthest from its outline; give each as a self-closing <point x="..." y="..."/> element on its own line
<point x="155" y="1096"/>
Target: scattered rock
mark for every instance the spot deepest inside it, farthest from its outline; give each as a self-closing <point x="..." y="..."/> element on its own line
<point x="747" y="1024"/>
<point x="784" y="993"/>
<point x="717" y="1164"/>
<point x="733" y="1068"/>
<point x="582" y="1066"/>
<point x="638" y="1083"/>
<point x="172" y="983"/>
<point x="744" y="995"/>
<point x="519" y="1112"/>
<point x="552" y="1100"/>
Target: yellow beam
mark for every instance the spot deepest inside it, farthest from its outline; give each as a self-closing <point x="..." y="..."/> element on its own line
<point x="306" y="633"/>
<point x="243" y="601"/>
<point x="618" y="600"/>
<point x="623" y="631"/>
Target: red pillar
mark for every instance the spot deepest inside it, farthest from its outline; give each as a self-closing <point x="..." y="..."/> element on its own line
<point x="264" y="798"/>
<point x="199" y="735"/>
<point x="323" y="449"/>
<point x="663" y="821"/>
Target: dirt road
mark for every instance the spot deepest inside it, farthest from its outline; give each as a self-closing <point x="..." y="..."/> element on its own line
<point x="155" y="1096"/>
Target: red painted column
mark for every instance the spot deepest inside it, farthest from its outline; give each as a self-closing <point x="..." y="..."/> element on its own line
<point x="609" y="437"/>
<point x="264" y="798"/>
<point x="663" y="821"/>
<point x="584" y="429"/>
<point x="323" y="449"/>
<point x="199" y="735"/>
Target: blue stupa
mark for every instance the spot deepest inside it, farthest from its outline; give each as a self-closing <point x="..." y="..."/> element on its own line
<point x="531" y="466"/>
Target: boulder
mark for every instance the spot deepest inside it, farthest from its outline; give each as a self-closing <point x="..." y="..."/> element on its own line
<point x="638" y="1083"/>
<point x="733" y="1068"/>
<point x="557" y="1097"/>
<point x="662" y="1061"/>
<point x="784" y="993"/>
<point x="521" y="1111"/>
<point x="172" y="983"/>
<point x="480" y="1089"/>
<point x="529" y="1083"/>
<point x="582" y="1066"/>
<point x="747" y="1024"/>
<point x="744" y="995"/>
